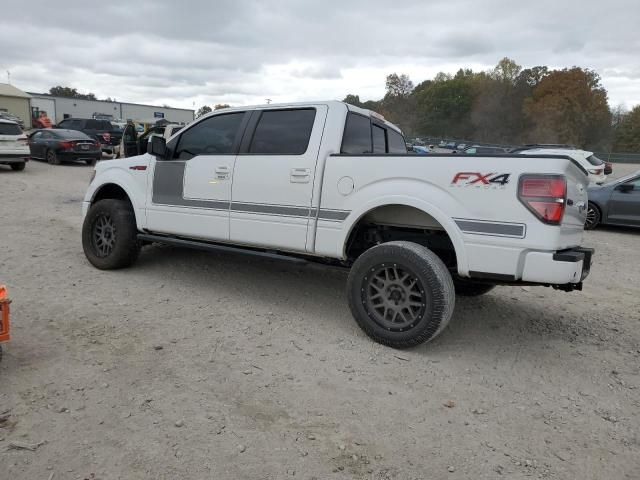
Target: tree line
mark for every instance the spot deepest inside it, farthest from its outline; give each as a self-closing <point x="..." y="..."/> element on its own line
<point x="510" y="105"/>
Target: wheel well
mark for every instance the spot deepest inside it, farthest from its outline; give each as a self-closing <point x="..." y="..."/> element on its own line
<point x="111" y="190"/>
<point x="400" y="222"/>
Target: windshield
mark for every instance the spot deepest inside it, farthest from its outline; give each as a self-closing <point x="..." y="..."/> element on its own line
<point x="71" y="134"/>
<point x="593" y="160"/>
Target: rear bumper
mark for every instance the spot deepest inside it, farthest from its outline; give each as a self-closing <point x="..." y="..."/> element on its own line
<point x="7" y="158"/>
<point x="570" y="266"/>
<point x="80" y="156"/>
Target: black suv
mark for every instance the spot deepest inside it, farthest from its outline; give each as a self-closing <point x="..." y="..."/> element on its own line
<point x="102" y="130"/>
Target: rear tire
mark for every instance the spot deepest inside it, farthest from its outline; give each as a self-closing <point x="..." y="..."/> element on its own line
<point x="468" y="288"/>
<point x="110" y="235"/>
<point x="400" y="294"/>
<point x="52" y="158"/>
<point x="18" y="167"/>
<point x="593" y="217"/>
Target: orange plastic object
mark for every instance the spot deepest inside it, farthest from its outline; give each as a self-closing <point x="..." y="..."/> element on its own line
<point x="4" y="314"/>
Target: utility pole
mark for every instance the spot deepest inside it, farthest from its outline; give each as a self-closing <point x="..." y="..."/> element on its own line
<point x="8" y="77"/>
<point x="268" y="100"/>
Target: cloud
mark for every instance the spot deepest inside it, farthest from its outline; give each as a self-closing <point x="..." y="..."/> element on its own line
<point x="243" y="51"/>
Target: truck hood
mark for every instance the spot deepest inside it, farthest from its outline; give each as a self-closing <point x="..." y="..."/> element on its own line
<point x="124" y="163"/>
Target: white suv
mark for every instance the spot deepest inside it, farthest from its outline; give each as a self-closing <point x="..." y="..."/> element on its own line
<point x="14" y="149"/>
<point x="588" y="160"/>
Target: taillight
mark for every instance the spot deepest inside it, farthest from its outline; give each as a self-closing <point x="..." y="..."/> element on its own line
<point x="66" y="145"/>
<point x="24" y="140"/>
<point x="544" y="196"/>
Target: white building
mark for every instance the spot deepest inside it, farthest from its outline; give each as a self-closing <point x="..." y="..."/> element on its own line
<point x="59" y="108"/>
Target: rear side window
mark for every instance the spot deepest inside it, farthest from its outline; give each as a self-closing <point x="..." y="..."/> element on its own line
<point x="357" y="135"/>
<point x="396" y="142"/>
<point x="92" y="124"/>
<point x="593" y="160"/>
<point x="283" y="132"/>
<point x="213" y="136"/>
<point x="379" y="139"/>
<point x="10" y="129"/>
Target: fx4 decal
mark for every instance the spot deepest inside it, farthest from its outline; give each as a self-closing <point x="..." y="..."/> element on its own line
<point x="477" y="179"/>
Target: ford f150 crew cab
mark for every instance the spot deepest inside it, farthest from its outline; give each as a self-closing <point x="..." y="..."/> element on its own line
<point x="331" y="182"/>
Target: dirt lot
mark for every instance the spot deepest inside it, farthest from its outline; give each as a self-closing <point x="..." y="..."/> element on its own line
<point x="215" y="366"/>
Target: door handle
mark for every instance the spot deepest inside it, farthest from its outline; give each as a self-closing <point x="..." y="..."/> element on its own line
<point x="300" y="175"/>
<point x="222" y="172"/>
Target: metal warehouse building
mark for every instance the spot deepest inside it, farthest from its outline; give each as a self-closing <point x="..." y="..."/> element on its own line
<point x="59" y="108"/>
<point x="15" y="101"/>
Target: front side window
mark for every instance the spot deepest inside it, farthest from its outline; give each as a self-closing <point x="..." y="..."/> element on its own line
<point x="283" y="132"/>
<point x="212" y="136"/>
<point x="396" y="142"/>
<point x="357" y="135"/>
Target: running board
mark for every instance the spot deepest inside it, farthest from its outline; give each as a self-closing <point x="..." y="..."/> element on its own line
<point x="215" y="247"/>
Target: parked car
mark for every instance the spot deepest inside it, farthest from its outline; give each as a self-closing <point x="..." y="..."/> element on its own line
<point x="14" y="150"/>
<point x="615" y="203"/>
<point x="419" y="149"/>
<point x="330" y="182"/>
<point x="479" y="150"/>
<point x="461" y="146"/>
<point x="57" y="145"/>
<point x="588" y="160"/>
<point x="10" y="116"/>
<point x="100" y="130"/>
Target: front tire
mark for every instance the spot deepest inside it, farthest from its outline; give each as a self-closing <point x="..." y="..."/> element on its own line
<point x="52" y="158"/>
<point x="593" y="217"/>
<point x="400" y="294"/>
<point x="18" y="167"/>
<point x="110" y="235"/>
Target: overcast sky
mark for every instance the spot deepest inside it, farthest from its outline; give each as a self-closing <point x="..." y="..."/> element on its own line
<point x="186" y="53"/>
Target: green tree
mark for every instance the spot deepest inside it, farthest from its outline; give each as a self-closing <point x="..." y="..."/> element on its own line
<point x="353" y="100"/>
<point x="69" y="92"/>
<point x="627" y="132"/>
<point x="569" y="106"/>
<point x="399" y="85"/>
<point x="203" y="111"/>
<point x="220" y="106"/>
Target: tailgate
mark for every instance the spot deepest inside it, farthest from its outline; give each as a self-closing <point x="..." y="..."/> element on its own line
<point x="575" y="212"/>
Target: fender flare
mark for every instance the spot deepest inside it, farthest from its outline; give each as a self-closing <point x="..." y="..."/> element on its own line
<point x="446" y="221"/>
<point x="109" y="179"/>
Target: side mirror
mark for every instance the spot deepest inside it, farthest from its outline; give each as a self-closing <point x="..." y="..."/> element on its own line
<point x="625" y="187"/>
<point x="158" y="147"/>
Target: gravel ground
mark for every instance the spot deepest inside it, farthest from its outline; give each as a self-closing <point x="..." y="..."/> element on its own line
<point x="217" y="366"/>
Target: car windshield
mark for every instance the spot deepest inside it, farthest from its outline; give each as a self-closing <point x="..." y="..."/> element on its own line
<point x="10" y="129"/>
<point x="71" y="134"/>
<point x="593" y="160"/>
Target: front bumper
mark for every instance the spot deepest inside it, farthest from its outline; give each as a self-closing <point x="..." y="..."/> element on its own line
<point x="569" y="266"/>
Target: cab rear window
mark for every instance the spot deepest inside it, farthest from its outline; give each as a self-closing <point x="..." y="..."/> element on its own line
<point x="10" y="129"/>
<point x="361" y="136"/>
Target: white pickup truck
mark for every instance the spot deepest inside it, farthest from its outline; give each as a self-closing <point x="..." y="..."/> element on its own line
<point x="333" y="183"/>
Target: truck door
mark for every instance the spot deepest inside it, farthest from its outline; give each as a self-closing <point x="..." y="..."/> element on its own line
<point x="624" y="203"/>
<point x="273" y="177"/>
<point x="191" y="191"/>
<point x="129" y="142"/>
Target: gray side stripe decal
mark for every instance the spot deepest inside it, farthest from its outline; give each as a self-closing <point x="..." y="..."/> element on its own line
<point x="168" y="190"/>
<point x="292" y="211"/>
<point x="491" y="228"/>
<point x="333" y="214"/>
